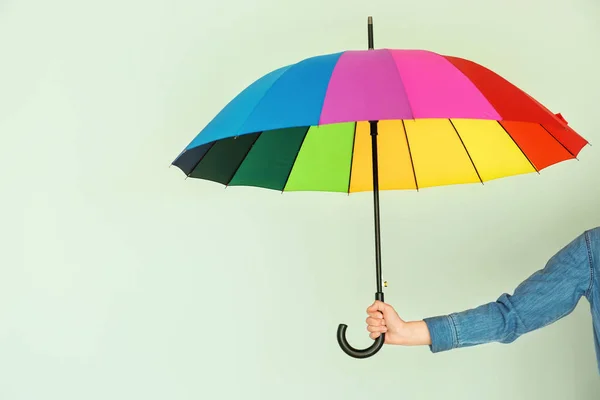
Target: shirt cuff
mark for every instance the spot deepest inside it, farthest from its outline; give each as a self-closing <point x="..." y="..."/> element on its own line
<point x="442" y="332"/>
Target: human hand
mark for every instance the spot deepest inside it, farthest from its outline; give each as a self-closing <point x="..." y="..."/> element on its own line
<point x="384" y="319"/>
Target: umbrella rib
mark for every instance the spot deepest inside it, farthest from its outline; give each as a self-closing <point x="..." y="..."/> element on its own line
<point x="352" y="157"/>
<point x="401" y="81"/>
<point x="559" y="142"/>
<point x="467" y="151"/>
<point x="243" y="158"/>
<point x="264" y="95"/>
<point x="200" y="159"/>
<point x="410" y="155"/>
<point x="295" y="158"/>
<point x="516" y="144"/>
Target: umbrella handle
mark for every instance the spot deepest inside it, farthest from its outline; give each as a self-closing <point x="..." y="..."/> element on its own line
<point x="356" y="353"/>
<point x="364" y="353"/>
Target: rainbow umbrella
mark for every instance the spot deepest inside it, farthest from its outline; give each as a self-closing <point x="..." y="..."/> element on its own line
<point x="371" y="120"/>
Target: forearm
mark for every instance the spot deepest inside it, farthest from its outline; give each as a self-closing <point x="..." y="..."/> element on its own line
<point x="414" y="333"/>
<point x="493" y="322"/>
<point x="545" y="297"/>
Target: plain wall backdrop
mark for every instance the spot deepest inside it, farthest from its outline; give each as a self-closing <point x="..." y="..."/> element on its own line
<point x="120" y="279"/>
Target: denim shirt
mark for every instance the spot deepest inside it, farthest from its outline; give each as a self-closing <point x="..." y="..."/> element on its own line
<point x="545" y="297"/>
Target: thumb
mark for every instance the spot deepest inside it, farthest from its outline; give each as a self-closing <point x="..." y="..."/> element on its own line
<point x="377" y="306"/>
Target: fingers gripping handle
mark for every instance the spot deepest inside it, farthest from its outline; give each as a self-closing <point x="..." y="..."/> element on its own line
<point x="362" y="353"/>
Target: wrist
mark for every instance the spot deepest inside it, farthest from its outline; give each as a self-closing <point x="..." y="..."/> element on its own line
<point x="413" y="333"/>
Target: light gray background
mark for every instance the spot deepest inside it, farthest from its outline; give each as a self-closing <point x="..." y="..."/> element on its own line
<point x="121" y="280"/>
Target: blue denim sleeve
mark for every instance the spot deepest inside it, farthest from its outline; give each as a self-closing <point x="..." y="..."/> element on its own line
<point x="545" y="297"/>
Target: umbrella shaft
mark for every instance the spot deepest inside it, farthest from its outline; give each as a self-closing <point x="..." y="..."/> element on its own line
<point x="370" y="33"/>
<point x="379" y="294"/>
<point x="376" y="205"/>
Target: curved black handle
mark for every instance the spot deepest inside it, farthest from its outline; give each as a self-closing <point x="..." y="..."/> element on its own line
<point x="356" y="353"/>
<point x="364" y="353"/>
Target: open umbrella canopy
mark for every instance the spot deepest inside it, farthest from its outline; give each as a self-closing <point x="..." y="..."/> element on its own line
<point x="432" y="120"/>
<point x="442" y="120"/>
